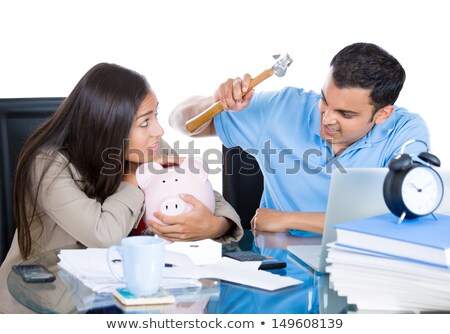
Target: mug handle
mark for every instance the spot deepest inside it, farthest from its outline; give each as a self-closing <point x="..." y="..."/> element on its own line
<point x="110" y="260"/>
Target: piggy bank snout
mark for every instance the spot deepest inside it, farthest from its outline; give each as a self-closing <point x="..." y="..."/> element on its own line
<point x="174" y="206"/>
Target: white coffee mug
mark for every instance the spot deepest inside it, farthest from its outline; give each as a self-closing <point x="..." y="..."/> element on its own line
<point x="143" y="259"/>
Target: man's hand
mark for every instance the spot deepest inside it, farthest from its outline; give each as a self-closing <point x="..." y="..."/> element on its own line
<point x="270" y="220"/>
<point x="231" y="93"/>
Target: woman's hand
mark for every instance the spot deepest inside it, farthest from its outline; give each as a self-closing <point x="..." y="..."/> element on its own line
<point x="168" y="160"/>
<point x="197" y="224"/>
<point x="164" y="160"/>
<point x="129" y="174"/>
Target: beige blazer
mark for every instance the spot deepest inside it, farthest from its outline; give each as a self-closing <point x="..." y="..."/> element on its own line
<point x="68" y="216"/>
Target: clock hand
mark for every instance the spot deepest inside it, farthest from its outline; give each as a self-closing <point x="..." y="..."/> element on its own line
<point x="415" y="187"/>
<point x="426" y="185"/>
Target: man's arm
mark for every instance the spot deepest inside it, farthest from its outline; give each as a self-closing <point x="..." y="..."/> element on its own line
<point x="232" y="95"/>
<point x="187" y="110"/>
<point x="270" y="220"/>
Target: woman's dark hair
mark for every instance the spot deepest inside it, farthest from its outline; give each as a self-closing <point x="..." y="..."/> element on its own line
<point x="90" y="128"/>
<point x="365" y="65"/>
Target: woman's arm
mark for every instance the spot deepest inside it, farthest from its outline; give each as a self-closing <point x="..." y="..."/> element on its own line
<point x="88" y="221"/>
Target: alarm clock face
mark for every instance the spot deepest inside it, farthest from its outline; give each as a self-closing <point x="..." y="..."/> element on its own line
<point x="422" y="190"/>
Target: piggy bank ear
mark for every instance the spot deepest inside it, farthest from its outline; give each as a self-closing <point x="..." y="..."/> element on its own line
<point x="195" y="166"/>
<point x="146" y="172"/>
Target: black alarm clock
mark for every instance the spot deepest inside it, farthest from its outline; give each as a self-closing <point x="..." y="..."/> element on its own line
<point x="411" y="188"/>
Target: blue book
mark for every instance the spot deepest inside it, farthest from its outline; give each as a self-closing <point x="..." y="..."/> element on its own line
<point x="423" y="239"/>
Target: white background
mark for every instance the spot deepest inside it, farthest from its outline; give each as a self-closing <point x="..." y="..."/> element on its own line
<point x="186" y="48"/>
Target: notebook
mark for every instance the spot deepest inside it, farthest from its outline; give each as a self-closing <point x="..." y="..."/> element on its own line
<point x="355" y="193"/>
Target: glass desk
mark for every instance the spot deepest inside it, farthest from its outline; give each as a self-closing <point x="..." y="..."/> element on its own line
<point x="69" y="295"/>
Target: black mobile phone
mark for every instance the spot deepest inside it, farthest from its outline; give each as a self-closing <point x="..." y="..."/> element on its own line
<point x="267" y="263"/>
<point x="271" y="263"/>
<point x="33" y="273"/>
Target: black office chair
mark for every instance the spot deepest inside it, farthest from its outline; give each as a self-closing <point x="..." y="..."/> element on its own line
<point x="18" y="118"/>
<point x="242" y="183"/>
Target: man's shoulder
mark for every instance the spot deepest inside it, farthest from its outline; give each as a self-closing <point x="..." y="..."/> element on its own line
<point x="403" y="117"/>
<point x="288" y="97"/>
<point x="407" y="126"/>
<point x="290" y="91"/>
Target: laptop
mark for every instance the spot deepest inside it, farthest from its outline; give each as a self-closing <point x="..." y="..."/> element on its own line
<point x="355" y="193"/>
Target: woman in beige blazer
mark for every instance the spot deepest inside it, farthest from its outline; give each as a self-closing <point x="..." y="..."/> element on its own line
<point x="75" y="179"/>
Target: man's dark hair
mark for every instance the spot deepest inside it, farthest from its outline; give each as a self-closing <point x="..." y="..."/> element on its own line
<point x="366" y="65"/>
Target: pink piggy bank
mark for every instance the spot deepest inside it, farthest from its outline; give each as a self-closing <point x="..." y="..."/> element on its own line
<point x="162" y="187"/>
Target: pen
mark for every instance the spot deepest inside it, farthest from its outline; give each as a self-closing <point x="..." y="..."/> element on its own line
<point x="167" y="265"/>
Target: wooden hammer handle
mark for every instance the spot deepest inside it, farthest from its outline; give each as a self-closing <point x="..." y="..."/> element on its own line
<point x="194" y="123"/>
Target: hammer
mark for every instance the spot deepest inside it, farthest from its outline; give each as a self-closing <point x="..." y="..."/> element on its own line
<point x="279" y="69"/>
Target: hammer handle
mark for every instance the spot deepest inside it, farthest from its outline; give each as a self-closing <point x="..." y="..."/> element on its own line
<point x="194" y="123"/>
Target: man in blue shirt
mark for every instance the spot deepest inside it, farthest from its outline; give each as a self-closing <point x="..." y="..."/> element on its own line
<point x="300" y="137"/>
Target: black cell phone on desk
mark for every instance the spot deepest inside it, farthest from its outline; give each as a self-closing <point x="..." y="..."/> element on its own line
<point x="34" y="273"/>
<point x="267" y="263"/>
<point x="270" y="263"/>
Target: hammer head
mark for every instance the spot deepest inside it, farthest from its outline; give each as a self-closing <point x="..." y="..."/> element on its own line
<point x="280" y="67"/>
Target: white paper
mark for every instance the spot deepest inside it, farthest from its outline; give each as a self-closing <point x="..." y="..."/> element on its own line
<point x="247" y="273"/>
<point x="200" y="252"/>
<point x="91" y="267"/>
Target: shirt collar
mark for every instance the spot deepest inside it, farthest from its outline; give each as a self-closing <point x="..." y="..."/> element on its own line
<point x="314" y="119"/>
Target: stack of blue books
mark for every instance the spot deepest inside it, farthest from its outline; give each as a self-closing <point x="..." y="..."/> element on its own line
<point x="381" y="265"/>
